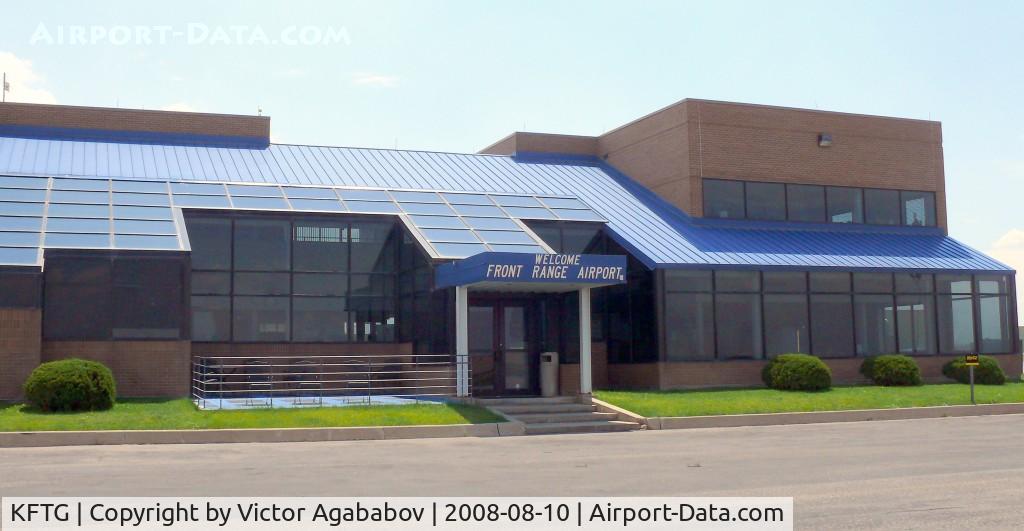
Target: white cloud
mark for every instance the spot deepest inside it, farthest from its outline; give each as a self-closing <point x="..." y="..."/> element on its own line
<point x="179" y="106"/>
<point x="26" y="84"/>
<point x="370" y="79"/>
<point x="1009" y="249"/>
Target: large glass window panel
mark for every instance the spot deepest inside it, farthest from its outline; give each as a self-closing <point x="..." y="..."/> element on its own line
<point x="137" y="241"/>
<point x="197" y="188"/>
<point x="87" y="198"/>
<point x="133" y="199"/>
<point x="914" y="283"/>
<point x="730" y="281"/>
<point x="445" y="222"/>
<point x="416" y="197"/>
<point x="136" y="212"/>
<point x="872" y="282"/>
<point x="845" y="205"/>
<point x="689" y="327"/>
<point x="76" y="241"/>
<point x="211" y="242"/>
<point x="450" y="235"/>
<point x="785" y="282"/>
<point x="77" y="311"/>
<point x="479" y="210"/>
<point x="364" y="195"/>
<point x="373" y="318"/>
<point x="550" y="234"/>
<point x="262" y="283"/>
<point x="261" y="318"/>
<point x="506" y="237"/>
<point x="915" y="317"/>
<point x="150" y="187"/>
<point x="563" y="202"/>
<point x="68" y="210"/>
<point x="953" y="284"/>
<point x="321" y="319"/>
<point x="201" y="201"/>
<point x="125" y="226"/>
<point x="32" y="196"/>
<point x="372" y="285"/>
<point x="766" y="201"/>
<point x="375" y="207"/>
<point x="95" y="185"/>
<point x="529" y="213"/>
<point x="373" y="248"/>
<point x="262" y="244"/>
<point x="428" y="208"/>
<point x="918" y="208"/>
<point x="687" y="280"/>
<point x="467" y="199"/>
<point x="805" y="202"/>
<point x="459" y="250"/>
<point x="580" y="240"/>
<point x="211" y="283"/>
<point x="994" y="324"/>
<point x="830" y="282"/>
<point x="324" y="205"/>
<point x="8" y="208"/>
<point x="956" y="323"/>
<point x="23" y="182"/>
<point x="299" y="192"/>
<point x="516" y="200"/>
<point x="831" y="326"/>
<point x="259" y="203"/>
<point x="20" y="290"/>
<point x="253" y="190"/>
<point x="881" y="207"/>
<point x="484" y="223"/>
<point x="18" y="255"/>
<point x="145" y="309"/>
<point x="23" y="223"/>
<point x="723" y="199"/>
<point x="320" y="246"/>
<point x="19" y="239"/>
<point x="875" y="319"/>
<point x="785" y="324"/>
<point x="512" y="248"/>
<point x="320" y="284"/>
<point x="992" y="284"/>
<point x="738" y="326"/>
<point x="211" y="318"/>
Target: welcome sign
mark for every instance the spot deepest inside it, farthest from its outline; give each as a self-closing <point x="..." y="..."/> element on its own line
<point x="587" y="269"/>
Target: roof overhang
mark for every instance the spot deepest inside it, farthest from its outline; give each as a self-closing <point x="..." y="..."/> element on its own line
<point x="551" y="273"/>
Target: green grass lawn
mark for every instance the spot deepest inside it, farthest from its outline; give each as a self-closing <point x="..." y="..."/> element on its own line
<point x="738" y="401"/>
<point x="181" y="414"/>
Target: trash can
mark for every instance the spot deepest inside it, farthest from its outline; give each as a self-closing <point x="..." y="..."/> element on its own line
<point x="549" y="374"/>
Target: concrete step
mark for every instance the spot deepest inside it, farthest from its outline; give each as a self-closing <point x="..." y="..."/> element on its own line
<point x="583" y="416"/>
<point x="497" y="402"/>
<point x="580" y="427"/>
<point x="518" y="409"/>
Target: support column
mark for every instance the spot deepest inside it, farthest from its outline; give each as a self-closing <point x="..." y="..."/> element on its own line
<point x="586" y="386"/>
<point x="462" y="341"/>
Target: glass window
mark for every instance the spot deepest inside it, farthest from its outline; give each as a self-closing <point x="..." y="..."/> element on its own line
<point x="467" y="199"/>
<point x="805" y="202"/>
<point x="148" y="299"/>
<point x="915" y="317"/>
<point x="69" y="210"/>
<point x="372" y="247"/>
<point x="136" y="241"/>
<point x="321" y="319"/>
<point x="135" y="226"/>
<point x="580" y="240"/>
<point x="689" y="327"/>
<point x="831" y="326"/>
<point x="364" y="195"/>
<point x="516" y="201"/>
<point x="875" y="320"/>
<point x="30" y="224"/>
<point x="918" y="208"/>
<point x="450" y="235"/>
<point x="785" y="323"/>
<point x="374" y="207"/>
<point x="133" y="199"/>
<point x="61" y="183"/>
<point x="140" y="186"/>
<point x="738" y="322"/>
<point x="550" y="234"/>
<point x="686" y="280"/>
<point x="723" y="199"/>
<point x="991" y="284"/>
<point x="845" y="205"/>
<point x="211" y="318"/>
<point x="956" y="323"/>
<point x="830" y="282"/>
<point x="481" y="223"/>
<point x="201" y="201"/>
<point x="253" y="190"/>
<point x="447" y="222"/>
<point x="320" y="246"/>
<point x="77" y="298"/>
<point x="134" y="212"/>
<point x="994" y="324"/>
<point x="914" y="283"/>
<point x="872" y="282"/>
<point x="317" y="204"/>
<point x="262" y="244"/>
<point x="785" y="282"/>
<point x="78" y="241"/>
<point x="197" y="188"/>
<point x="379" y="285"/>
<point x="261" y="318"/>
<point x="732" y="281"/>
<point x="211" y="283"/>
<point x="373" y="319"/>
<point x="953" y="284"/>
<point x="320" y="284"/>
<point x="882" y="207"/>
<point x="259" y="203"/>
<point x="562" y="202"/>
<point x="766" y="201"/>
<point x="262" y="283"/>
<point x="8" y="208"/>
<point x="211" y="242"/>
<point x="20" y="290"/>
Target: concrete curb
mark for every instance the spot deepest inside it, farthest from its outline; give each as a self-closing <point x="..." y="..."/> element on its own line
<point x="814" y="417"/>
<point x="368" y="433"/>
<point x="620" y="413"/>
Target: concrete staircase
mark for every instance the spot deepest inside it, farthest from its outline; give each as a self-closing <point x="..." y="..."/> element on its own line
<point x="561" y="414"/>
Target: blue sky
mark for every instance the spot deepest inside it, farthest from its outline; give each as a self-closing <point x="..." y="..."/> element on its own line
<point x="455" y="76"/>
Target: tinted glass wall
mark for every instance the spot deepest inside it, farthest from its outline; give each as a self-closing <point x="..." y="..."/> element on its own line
<point x="298" y="279"/>
<point x="817" y="204"/>
<point x="21" y="288"/>
<point x="755" y="315"/>
<point x="123" y="296"/>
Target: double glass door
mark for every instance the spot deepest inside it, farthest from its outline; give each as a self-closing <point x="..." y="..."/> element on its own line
<point x="502" y="357"/>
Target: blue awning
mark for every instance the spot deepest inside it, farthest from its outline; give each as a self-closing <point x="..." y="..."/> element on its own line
<point x="533" y="272"/>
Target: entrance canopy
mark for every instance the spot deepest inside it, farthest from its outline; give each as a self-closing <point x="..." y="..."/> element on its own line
<point x="533" y="272"/>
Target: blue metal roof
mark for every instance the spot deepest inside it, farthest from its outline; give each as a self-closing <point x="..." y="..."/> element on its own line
<point x="656" y="232"/>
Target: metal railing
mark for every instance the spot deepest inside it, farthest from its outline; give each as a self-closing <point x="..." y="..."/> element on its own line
<point x="220" y="382"/>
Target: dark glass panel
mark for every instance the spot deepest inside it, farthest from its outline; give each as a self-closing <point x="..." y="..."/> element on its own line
<point x="994" y="324"/>
<point x="738" y="326"/>
<point x="262" y="244"/>
<point x="845" y="205"/>
<point x="261" y="318"/>
<point x="687" y="280"/>
<point x="956" y="323"/>
<point x="723" y="199"/>
<point x="320" y="319"/>
<point x="915" y="317"/>
<point x="785" y="324"/>
<point x="211" y="318"/>
<point x="262" y="284"/>
<point x="766" y="201"/>
<point x="918" y="208"/>
<point x="737" y="281"/>
<point x="580" y="240"/>
<point x="872" y="282"/>
<point x="785" y="282"/>
<point x="914" y="283"/>
<point x="953" y="284"/>
<point x="551" y="234"/>
<point x="148" y="298"/>
<point x="831" y="326"/>
<point x="320" y="246"/>
<point x="689" y="327"/>
<point x="372" y="285"/>
<point x="372" y="247"/>
<point x="77" y="311"/>
<point x="320" y="284"/>
<point x="882" y="207"/>
<point x="373" y="318"/>
<point x="20" y="290"/>
<point x="210" y="283"/>
<point x="830" y="282"/>
<point x="992" y="284"/>
<point x="805" y="202"/>
<point x="875" y="320"/>
<point x="211" y="242"/>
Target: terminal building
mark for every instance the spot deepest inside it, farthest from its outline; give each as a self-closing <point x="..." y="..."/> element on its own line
<point x="683" y="249"/>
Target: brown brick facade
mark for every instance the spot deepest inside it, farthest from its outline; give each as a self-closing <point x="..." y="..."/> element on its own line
<point x="20" y="348"/>
<point x="569" y="373"/>
<point x="141" y="368"/>
<point x="107" y="119"/>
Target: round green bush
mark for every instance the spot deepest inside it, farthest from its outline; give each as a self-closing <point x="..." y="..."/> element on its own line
<point x="988" y="371"/>
<point x="71" y="385"/>
<point x="895" y="369"/>
<point x="798" y="372"/>
<point x="867" y="367"/>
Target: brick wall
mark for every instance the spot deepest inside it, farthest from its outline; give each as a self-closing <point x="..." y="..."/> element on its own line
<point x="20" y="347"/>
<point x="107" y="119"/>
<point x="141" y="368"/>
<point x="569" y="373"/>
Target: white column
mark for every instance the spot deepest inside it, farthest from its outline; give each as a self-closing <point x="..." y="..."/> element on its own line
<point x="586" y="386"/>
<point x="462" y="340"/>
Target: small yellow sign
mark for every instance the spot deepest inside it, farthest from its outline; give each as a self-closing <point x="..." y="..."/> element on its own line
<point x="971" y="360"/>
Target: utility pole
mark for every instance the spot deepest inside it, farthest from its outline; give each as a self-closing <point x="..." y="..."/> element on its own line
<point x="5" y="88"/>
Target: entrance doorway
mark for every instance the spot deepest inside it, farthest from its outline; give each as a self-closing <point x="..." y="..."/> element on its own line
<point x="502" y="347"/>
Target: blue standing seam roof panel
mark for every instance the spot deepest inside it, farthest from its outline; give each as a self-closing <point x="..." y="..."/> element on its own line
<point x="657" y="233"/>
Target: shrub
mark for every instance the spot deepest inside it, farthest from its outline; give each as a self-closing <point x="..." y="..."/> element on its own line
<point x="867" y="367"/>
<point x="895" y="369"/>
<point x="71" y="385"/>
<point x="988" y="371"/>
<point x="797" y="372"/>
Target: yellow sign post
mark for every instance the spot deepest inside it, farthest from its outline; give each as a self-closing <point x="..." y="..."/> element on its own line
<point x="971" y="361"/>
